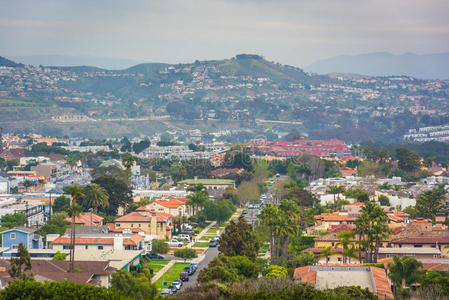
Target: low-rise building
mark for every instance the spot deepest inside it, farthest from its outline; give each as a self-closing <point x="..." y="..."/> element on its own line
<point x="176" y="207"/>
<point x="151" y="222"/>
<point x="11" y="239"/>
<point x="215" y="187"/>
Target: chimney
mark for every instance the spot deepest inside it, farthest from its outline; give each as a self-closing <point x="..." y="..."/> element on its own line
<point x="118" y="242"/>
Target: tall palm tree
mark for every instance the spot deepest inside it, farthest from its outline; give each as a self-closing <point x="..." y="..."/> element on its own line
<point x="76" y="192"/>
<point x="271" y="218"/>
<point x="289" y="225"/>
<point x="198" y="198"/>
<point x="128" y="161"/>
<point x="96" y="196"/>
<point x="350" y="252"/>
<point x="404" y="271"/>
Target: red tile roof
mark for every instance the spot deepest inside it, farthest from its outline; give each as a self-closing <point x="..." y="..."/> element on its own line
<point x="85" y="219"/>
<point x="134" y="240"/>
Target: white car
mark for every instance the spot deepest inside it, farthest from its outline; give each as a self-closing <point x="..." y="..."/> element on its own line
<point x="175" y="243"/>
<point x="216" y="238"/>
<point x="183" y="236"/>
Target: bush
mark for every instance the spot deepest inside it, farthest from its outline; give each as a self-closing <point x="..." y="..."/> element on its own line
<point x="185" y="253"/>
<point x="60" y="256"/>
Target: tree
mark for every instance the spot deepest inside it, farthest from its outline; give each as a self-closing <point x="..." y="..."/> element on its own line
<point x="301" y="196"/>
<point x="61" y="204"/>
<point x="248" y="191"/>
<point x="372" y="228"/>
<point x="238" y="239"/>
<point x="13" y="220"/>
<point x="430" y="202"/>
<point x="227" y="269"/>
<point x="345" y="241"/>
<point x="198" y="198"/>
<point x="96" y="196"/>
<point x="30" y="289"/>
<point x="270" y="217"/>
<point x="140" y="146"/>
<point x="408" y="160"/>
<point x="384" y="200"/>
<point x="128" y="161"/>
<point x="357" y="193"/>
<point x="126" y="145"/>
<point x="159" y="247"/>
<point x="60" y="256"/>
<point x="186" y="253"/>
<point x="134" y="287"/>
<point x="404" y="271"/>
<point x="27" y="184"/>
<point x="275" y="272"/>
<point x="120" y="194"/>
<point x="76" y="192"/>
<point x="21" y="264"/>
<point x="57" y="225"/>
<point x="335" y="189"/>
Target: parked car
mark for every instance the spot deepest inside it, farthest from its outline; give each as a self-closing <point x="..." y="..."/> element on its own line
<point x="156" y="256"/>
<point x="216" y="238"/>
<point x="244" y="212"/>
<point x="213" y="243"/>
<point x="189" y="270"/>
<point x="193" y="266"/>
<point x="183" y="236"/>
<point x="173" y="288"/>
<point x="175" y="243"/>
<point x="166" y="292"/>
<point x="178" y="283"/>
<point x="250" y="206"/>
<point x="184" y="276"/>
<point x="189" y="230"/>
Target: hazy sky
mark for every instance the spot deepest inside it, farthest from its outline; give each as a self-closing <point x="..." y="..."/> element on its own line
<point x="289" y="31"/>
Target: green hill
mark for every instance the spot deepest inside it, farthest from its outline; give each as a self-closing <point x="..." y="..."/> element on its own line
<point x="4" y="62"/>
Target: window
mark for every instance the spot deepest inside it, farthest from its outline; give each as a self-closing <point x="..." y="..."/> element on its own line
<point x="139" y="225"/>
<point x="87" y="247"/>
<point x="15" y="246"/>
<point x="333" y="244"/>
<point x="417" y="246"/>
<point x="12" y="235"/>
<point x="100" y="247"/>
<point x="118" y="225"/>
<point x="66" y="247"/>
<point x="132" y="225"/>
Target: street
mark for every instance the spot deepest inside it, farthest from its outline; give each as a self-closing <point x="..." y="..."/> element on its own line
<point x="210" y="254"/>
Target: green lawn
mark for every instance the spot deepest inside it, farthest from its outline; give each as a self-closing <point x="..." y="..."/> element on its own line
<point x="157" y="265"/>
<point x="201" y="244"/>
<point x="207" y="237"/>
<point x="171" y="275"/>
<point x="213" y="230"/>
<point x="263" y="249"/>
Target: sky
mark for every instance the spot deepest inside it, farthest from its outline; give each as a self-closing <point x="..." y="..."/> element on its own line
<point x="296" y="32"/>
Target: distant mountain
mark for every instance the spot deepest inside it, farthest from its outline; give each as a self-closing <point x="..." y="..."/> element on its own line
<point x="429" y="66"/>
<point x="4" y="62"/>
<point x="64" y="60"/>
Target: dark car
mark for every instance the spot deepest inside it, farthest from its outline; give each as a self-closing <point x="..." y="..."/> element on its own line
<point x="213" y="243"/>
<point x="155" y="256"/>
<point x="189" y="270"/>
<point x="173" y="288"/>
<point x="184" y="276"/>
<point x="188" y="230"/>
<point x="194" y="266"/>
<point x="244" y="212"/>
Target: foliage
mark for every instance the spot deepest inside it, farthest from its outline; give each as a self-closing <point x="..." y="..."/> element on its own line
<point x="219" y="211"/>
<point x="133" y="286"/>
<point x="229" y="269"/>
<point x="239" y="160"/>
<point x="186" y="253"/>
<point x="61" y="204"/>
<point x="95" y="196"/>
<point x="57" y="290"/>
<point x="304" y="259"/>
<point x="408" y="160"/>
<point x="238" y="239"/>
<point x="60" y="256"/>
<point x="384" y="200"/>
<point x="274" y="271"/>
<point x="357" y="193"/>
<point x="301" y="196"/>
<point x="21" y="264"/>
<point x="372" y="228"/>
<point x="436" y="280"/>
<point x="404" y="271"/>
<point x="120" y="194"/>
<point x="248" y="191"/>
<point x="56" y="225"/>
<point x="140" y="146"/>
<point x="159" y="247"/>
<point x="430" y="202"/>
<point x="13" y="220"/>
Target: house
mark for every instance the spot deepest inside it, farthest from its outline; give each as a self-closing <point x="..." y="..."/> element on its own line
<point x="176" y="207"/>
<point x="87" y="219"/>
<point x="151" y="222"/>
<point x="4" y="185"/>
<point x="329" y="276"/>
<point x="414" y="252"/>
<point x="335" y="257"/>
<point x="101" y="242"/>
<point x="12" y="154"/>
<point x="96" y="273"/>
<point x="215" y="187"/>
<point x="11" y="238"/>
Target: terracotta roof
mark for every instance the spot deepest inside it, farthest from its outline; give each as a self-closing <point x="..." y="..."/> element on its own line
<point x="305" y="275"/>
<point x="172" y="203"/>
<point x="383" y="288"/>
<point x="134" y="240"/>
<point x="422" y="240"/>
<point x="85" y="219"/>
<point x="112" y="228"/>
<point x="342" y="227"/>
<point x="134" y="217"/>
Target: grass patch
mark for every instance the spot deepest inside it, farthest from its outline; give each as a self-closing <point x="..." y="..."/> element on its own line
<point x="171" y="275"/>
<point x="201" y="244"/>
<point x="263" y="250"/>
<point x="213" y="230"/>
<point x="207" y="237"/>
<point x="157" y="265"/>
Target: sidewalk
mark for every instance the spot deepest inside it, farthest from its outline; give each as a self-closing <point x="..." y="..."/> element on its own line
<point x="189" y="245"/>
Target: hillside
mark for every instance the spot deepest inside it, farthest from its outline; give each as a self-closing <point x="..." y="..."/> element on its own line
<point x="431" y="66"/>
<point x="4" y="62"/>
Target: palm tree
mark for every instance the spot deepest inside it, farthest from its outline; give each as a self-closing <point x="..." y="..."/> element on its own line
<point x="128" y="161"/>
<point x="27" y="184"/>
<point x="271" y="218"/>
<point x="71" y="159"/>
<point x="335" y="190"/>
<point x="350" y="252"/>
<point x="96" y="196"/>
<point x="404" y="271"/>
<point x="76" y="192"/>
<point x="345" y="241"/>
<point x="327" y="252"/>
<point x="289" y="222"/>
<point x="198" y="198"/>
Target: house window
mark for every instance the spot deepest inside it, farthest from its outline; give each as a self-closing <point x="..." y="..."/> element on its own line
<point x="87" y="247"/>
<point x="139" y="225"/>
<point x="12" y="236"/>
<point x="118" y="225"/>
<point x="333" y="244"/>
<point x="132" y="225"/>
<point x="66" y="247"/>
<point x="100" y="247"/>
<point x="15" y="246"/>
<point x="417" y="246"/>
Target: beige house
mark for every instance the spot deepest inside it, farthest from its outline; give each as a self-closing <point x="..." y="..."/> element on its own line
<point x="176" y="207"/>
<point x="150" y="222"/>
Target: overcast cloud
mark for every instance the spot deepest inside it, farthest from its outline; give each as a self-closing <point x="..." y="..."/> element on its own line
<point x="294" y="32"/>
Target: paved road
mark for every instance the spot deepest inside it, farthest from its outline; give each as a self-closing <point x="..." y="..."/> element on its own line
<point x="211" y="253"/>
